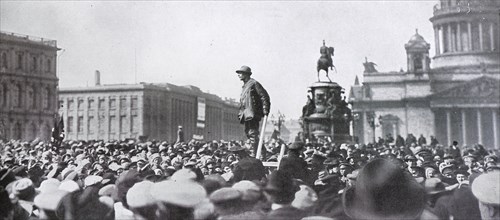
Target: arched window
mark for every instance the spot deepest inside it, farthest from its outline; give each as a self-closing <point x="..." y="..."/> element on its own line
<point x="417" y="63"/>
<point x="4" y="61"/>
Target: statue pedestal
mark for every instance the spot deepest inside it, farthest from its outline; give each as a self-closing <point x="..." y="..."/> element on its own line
<point x="330" y="117"/>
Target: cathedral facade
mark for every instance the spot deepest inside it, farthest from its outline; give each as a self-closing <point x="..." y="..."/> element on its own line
<point x="28" y="86"/>
<point x="455" y="96"/>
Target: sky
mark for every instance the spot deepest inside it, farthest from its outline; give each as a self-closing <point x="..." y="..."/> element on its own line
<point x="202" y="43"/>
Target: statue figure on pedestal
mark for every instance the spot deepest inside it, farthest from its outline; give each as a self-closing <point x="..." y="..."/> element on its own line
<point x="325" y="61"/>
<point x="308" y="109"/>
<point x="369" y="66"/>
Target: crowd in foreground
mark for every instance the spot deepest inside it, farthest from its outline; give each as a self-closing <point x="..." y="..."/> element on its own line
<point x="222" y="180"/>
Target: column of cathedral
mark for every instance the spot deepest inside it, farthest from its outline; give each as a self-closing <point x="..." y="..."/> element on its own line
<point x="479" y="127"/>
<point x="464" y="126"/>
<point x="448" y="126"/>
<point x="495" y="128"/>
<point x="455" y="42"/>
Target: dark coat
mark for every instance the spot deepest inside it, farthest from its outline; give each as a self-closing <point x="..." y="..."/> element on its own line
<point x="295" y="166"/>
<point x="249" y="168"/>
<point x="463" y="204"/>
<point x="439" y="205"/>
<point x="330" y="204"/>
<point x="286" y="213"/>
<point x="89" y="207"/>
<point x="254" y="101"/>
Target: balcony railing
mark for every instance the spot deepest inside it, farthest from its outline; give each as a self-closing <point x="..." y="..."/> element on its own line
<point x="44" y="41"/>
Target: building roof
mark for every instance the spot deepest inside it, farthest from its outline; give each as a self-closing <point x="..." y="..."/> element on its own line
<point x="21" y="38"/>
<point x="187" y="90"/>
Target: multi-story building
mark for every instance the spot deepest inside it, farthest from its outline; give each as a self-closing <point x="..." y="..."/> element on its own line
<point x="457" y="99"/>
<point x="28" y="86"/>
<point x="152" y="111"/>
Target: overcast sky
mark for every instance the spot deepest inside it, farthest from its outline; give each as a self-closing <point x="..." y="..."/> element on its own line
<point x="202" y="43"/>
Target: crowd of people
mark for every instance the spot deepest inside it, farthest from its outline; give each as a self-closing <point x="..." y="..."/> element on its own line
<point x="404" y="179"/>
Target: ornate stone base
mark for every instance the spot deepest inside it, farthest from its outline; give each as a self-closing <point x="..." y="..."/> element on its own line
<point x="329" y="117"/>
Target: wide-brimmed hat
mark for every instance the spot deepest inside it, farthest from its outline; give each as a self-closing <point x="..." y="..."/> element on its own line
<point x="296" y="145"/>
<point x="281" y="182"/>
<point x="485" y="188"/>
<point x="244" y="69"/>
<point x="24" y="188"/>
<point x="384" y="191"/>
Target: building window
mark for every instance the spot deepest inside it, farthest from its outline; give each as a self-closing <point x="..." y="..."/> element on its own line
<point x="80" y="104"/>
<point x="123" y="103"/>
<point x="102" y="104"/>
<point x="47" y="99"/>
<point x="70" y="124"/>
<point x="20" y="60"/>
<point x="134" y="123"/>
<point x="112" y="124"/>
<point x="4" y="60"/>
<point x="91" y="104"/>
<point x="80" y="124"/>
<point x="102" y="124"/>
<point x="112" y="103"/>
<point x="417" y="63"/>
<point x="49" y="65"/>
<point x="71" y="104"/>
<point x="17" y="96"/>
<point x="3" y="95"/>
<point x="31" y="98"/>
<point x="91" y="125"/>
<point x="34" y="64"/>
<point x="123" y="124"/>
<point x="134" y="102"/>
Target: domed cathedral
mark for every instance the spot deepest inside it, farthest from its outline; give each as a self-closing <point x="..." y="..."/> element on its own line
<point x="456" y="97"/>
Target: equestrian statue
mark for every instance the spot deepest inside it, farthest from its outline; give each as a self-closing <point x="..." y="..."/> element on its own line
<point x="325" y="61"/>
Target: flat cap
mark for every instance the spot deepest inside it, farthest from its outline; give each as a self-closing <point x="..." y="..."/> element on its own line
<point x="225" y="194"/>
<point x="185" y="194"/>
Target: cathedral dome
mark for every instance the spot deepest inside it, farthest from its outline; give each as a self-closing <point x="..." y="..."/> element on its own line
<point x="417" y="41"/>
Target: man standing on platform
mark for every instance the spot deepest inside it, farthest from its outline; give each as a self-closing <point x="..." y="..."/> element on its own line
<point x="254" y="104"/>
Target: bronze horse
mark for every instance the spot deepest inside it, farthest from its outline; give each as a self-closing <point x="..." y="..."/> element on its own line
<point x="325" y="61"/>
